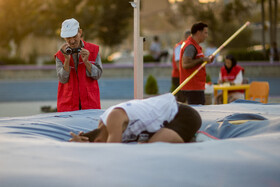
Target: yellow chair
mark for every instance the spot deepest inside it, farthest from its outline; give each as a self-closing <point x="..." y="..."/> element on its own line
<point x="259" y="90"/>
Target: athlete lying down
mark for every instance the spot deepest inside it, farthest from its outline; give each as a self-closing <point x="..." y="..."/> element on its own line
<point x="156" y="119"/>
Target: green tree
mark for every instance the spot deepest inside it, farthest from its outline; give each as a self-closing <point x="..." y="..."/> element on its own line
<point x="151" y="86"/>
<point x="223" y="19"/>
<point x="105" y="20"/>
<point x="17" y="20"/>
<point x="263" y="25"/>
<point x="114" y="26"/>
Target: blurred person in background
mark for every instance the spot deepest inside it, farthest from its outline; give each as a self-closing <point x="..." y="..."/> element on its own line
<point x="156" y="52"/>
<point x="210" y="49"/>
<point x="191" y="58"/>
<point x="232" y="74"/>
<point x="175" y="81"/>
<point x="274" y="52"/>
<point x="78" y="66"/>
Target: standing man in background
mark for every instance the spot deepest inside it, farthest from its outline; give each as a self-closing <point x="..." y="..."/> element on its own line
<point x="175" y="64"/>
<point x="78" y="66"/>
<point x="191" y="57"/>
<point x="156" y="52"/>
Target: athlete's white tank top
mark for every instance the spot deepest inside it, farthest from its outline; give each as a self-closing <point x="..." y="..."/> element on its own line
<point x="145" y="115"/>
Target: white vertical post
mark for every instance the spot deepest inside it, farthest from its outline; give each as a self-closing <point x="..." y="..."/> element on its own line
<point x="140" y="70"/>
<point x="138" y="54"/>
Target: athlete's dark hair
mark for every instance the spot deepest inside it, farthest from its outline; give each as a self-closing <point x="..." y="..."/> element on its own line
<point x="198" y="27"/>
<point x="92" y="134"/>
<point x="186" y="122"/>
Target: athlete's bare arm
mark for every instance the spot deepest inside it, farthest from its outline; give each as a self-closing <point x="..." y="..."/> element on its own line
<point x="116" y="123"/>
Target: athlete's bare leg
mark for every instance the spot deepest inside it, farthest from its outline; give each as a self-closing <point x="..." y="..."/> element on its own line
<point x="166" y="135"/>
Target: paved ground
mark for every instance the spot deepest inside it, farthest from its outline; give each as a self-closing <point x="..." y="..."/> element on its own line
<point x="15" y="109"/>
<point x="274" y="99"/>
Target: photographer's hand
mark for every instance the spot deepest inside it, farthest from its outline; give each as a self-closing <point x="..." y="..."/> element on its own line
<point x="67" y="57"/>
<point x="84" y="55"/>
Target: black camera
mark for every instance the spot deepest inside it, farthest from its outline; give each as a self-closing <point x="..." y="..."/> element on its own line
<point x="70" y="51"/>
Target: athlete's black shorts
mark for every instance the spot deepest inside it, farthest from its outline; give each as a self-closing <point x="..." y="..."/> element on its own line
<point x="186" y="122"/>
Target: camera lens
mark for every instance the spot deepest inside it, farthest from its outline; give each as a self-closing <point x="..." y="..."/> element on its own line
<point x="76" y="50"/>
<point x="68" y="51"/>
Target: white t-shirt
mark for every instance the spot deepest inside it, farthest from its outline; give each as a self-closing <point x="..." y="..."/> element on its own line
<point x="156" y="48"/>
<point x="177" y="53"/>
<point x="145" y="115"/>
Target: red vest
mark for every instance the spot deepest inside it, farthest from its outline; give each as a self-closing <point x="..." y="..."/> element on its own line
<point x="233" y="73"/>
<point x="175" y="70"/>
<point x="198" y="81"/>
<point x="79" y="88"/>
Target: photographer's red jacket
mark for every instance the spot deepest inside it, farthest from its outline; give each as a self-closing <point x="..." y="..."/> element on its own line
<point x="80" y="89"/>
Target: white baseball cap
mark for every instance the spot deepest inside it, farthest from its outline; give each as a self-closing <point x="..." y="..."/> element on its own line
<point x="69" y="28"/>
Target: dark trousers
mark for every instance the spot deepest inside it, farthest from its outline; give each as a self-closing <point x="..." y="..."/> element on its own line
<point x="163" y="54"/>
<point x="192" y="97"/>
<point x="175" y="83"/>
